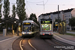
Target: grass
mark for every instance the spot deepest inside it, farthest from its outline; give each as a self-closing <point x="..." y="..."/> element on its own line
<point x="70" y="34"/>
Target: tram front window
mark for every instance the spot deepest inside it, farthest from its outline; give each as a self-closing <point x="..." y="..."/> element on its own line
<point x="26" y="28"/>
<point x="46" y="27"/>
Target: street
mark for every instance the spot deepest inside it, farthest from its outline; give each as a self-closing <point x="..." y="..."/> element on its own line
<point x="37" y="25"/>
<point x="36" y="43"/>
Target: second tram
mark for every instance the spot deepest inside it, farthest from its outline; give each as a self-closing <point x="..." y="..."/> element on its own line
<point x="46" y="28"/>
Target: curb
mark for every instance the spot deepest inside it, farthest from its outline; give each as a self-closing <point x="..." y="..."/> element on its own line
<point x="64" y="40"/>
<point x="7" y="39"/>
<point x="8" y="42"/>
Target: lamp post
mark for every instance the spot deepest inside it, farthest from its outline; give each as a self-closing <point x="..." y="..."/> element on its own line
<point x="58" y="13"/>
<point x="58" y="20"/>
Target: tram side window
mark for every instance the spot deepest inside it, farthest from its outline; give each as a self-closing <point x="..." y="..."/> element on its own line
<point x="32" y="28"/>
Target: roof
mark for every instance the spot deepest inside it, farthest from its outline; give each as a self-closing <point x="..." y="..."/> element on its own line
<point x="9" y="20"/>
<point x="31" y="21"/>
<point x="68" y="10"/>
<point x="56" y="12"/>
<point x="46" y="14"/>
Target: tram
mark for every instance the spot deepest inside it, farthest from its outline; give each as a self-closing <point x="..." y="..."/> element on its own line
<point x="28" y="28"/>
<point x="46" y="28"/>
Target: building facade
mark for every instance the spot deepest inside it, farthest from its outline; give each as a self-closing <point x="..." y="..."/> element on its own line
<point x="63" y="15"/>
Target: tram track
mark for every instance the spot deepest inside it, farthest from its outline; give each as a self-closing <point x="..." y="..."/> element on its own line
<point x="54" y="43"/>
<point x="31" y="45"/>
<point x="15" y="45"/>
<point x="22" y="46"/>
<point x="38" y="44"/>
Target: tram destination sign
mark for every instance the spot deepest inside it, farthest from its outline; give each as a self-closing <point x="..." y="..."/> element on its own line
<point x="46" y="21"/>
<point x="27" y="23"/>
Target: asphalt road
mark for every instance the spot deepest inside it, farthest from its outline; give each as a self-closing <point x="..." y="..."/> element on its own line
<point x="36" y="43"/>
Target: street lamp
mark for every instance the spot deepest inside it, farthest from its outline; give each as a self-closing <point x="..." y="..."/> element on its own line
<point x="14" y="21"/>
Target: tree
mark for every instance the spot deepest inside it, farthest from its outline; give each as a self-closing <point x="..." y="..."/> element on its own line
<point x="33" y="17"/>
<point x="0" y="9"/>
<point x="6" y="8"/>
<point x="13" y="11"/>
<point x="72" y="22"/>
<point x="21" y="9"/>
<point x="56" y="20"/>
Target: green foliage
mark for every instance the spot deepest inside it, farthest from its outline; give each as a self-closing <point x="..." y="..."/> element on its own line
<point x="33" y="17"/>
<point x="72" y="21"/>
<point x="21" y="9"/>
<point x="0" y="9"/>
<point x="13" y="11"/>
<point x="56" y="20"/>
<point x="0" y="6"/>
<point x="6" y="8"/>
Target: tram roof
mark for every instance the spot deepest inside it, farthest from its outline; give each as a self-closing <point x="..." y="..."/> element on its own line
<point x="31" y="21"/>
<point x="28" y="21"/>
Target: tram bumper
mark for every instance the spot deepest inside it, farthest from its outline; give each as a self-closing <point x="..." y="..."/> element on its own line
<point x="46" y="36"/>
<point x="28" y="34"/>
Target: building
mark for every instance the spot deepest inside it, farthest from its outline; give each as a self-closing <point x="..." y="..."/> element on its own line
<point x="63" y="15"/>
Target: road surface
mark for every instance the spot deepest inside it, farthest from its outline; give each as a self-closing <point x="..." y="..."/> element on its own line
<point x="36" y="43"/>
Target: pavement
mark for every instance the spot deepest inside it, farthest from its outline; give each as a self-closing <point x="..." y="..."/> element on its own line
<point x="7" y="41"/>
<point x="71" y="32"/>
<point x="65" y="38"/>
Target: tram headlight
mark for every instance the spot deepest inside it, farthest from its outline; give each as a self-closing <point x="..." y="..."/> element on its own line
<point x="30" y="33"/>
<point x="23" y="33"/>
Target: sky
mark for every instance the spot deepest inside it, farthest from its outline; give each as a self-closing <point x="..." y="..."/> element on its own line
<point x="39" y="7"/>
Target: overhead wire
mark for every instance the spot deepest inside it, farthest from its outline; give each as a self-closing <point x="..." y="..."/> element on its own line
<point x="27" y="9"/>
<point x="29" y="6"/>
<point x="34" y="2"/>
<point x="46" y="2"/>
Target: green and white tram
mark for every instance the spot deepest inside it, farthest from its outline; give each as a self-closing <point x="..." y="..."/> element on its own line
<point x="46" y="28"/>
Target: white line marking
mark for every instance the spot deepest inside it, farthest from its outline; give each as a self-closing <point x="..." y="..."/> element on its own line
<point x="31" y="45"/>
<point x="20" y="45"/>
<point x="6" y="39"/>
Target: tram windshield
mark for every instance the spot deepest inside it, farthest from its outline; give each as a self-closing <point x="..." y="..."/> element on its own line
<point x="46" y="27"/>
<point x="46" y="24"/>
<point x="27" y="28"/>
